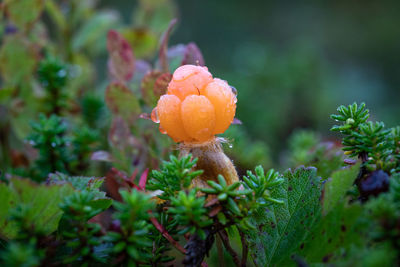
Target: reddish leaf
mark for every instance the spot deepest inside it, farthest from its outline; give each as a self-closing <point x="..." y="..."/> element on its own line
<point x="211" y="202"/>
<point x="143" y="179"/>
<point x="121" y="62"/>
<point x="104" y="219"/>
<point x="215" y="211"/>
<point x="122" y="102"/>
<point x="113" y="185"/>
<point x="133" y="175"/>
<point x="115" y="180"/>
<point x="164" y="46"/>
<point x="18" y="159"/>
<point x="161" y="84"/>
<point x="193" y="55"/>
<point x="165" y="233"/>
<point x="119" y="135"/>
<point x="147" y="87"/>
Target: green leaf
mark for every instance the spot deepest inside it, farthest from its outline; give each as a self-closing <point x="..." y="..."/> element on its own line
<point x="24" y="12"/>
<point x="6" y="95"/>
<point x="101" y="203"/>
<point x="122" y="102"/>
<point x="155" y="14"/>
<point x="17" y="60"/>
<point x="121" y="64"/>
<point x="143" y="41"/>
<point x="336" y="188"/>
<point x="336" y="230"/>
<point x="78" y="182"/>
<point x="92" y="35"/>
<point x="8" y="199"/>
<point x="44" y="199"/>
<point x="81" y="183"/>
<point x="281" y="228"/>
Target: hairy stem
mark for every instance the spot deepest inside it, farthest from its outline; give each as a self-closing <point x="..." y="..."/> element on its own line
<point x="164" y="232"/>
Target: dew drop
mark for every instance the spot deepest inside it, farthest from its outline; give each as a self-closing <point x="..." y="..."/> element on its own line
<point x="162" y="130"/>
<point x="154" y="116"/>
<point x="235" y="100"/>
<point x="234" y="91"/>
<point x="53" y="144"/>
<point x="230" y="146"/>
<point x="61" y="73"/>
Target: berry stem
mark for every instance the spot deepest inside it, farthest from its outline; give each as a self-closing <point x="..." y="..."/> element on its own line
<point x="212" y="160"/>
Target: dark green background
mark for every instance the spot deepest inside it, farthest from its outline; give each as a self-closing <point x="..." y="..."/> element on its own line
<point x="293" y="62"/>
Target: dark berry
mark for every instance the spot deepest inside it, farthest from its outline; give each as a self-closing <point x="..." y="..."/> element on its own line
<point x="374" y="183"/>
<point x="115" y="226"/>
<point x="197" y="249"/>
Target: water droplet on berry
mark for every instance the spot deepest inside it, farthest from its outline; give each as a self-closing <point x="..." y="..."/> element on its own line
<point x="154" y="116"/>
<point x="234" y="91"/>
<point x="162" y="130"/>
<point x="235" y="100"/>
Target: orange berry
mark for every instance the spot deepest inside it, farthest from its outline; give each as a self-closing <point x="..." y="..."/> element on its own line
<point x="198" y="116"/>
<point x="189" y="80"/>
<point x="169" y="114"/>
<point x="224" y="101"/>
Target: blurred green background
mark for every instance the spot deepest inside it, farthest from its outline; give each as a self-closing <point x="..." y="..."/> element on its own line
<point x="294" y="63"/>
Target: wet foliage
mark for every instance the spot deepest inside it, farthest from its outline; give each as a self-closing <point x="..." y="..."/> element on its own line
<point x="88" y="179"/>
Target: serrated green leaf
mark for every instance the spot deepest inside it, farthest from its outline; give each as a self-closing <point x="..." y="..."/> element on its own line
<point x="78" y="182"/>
<point x="336" y="230"/>
<point x="44" y="199"/>
<point x="8" y="199"/>
<point x="81" y="183"/>
<point x="336" y="188"/>
<point x="281" y="228"/>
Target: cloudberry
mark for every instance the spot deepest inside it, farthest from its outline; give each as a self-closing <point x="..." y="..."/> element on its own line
<point x="189" y="80"/>
<point x="196" y="106"/>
